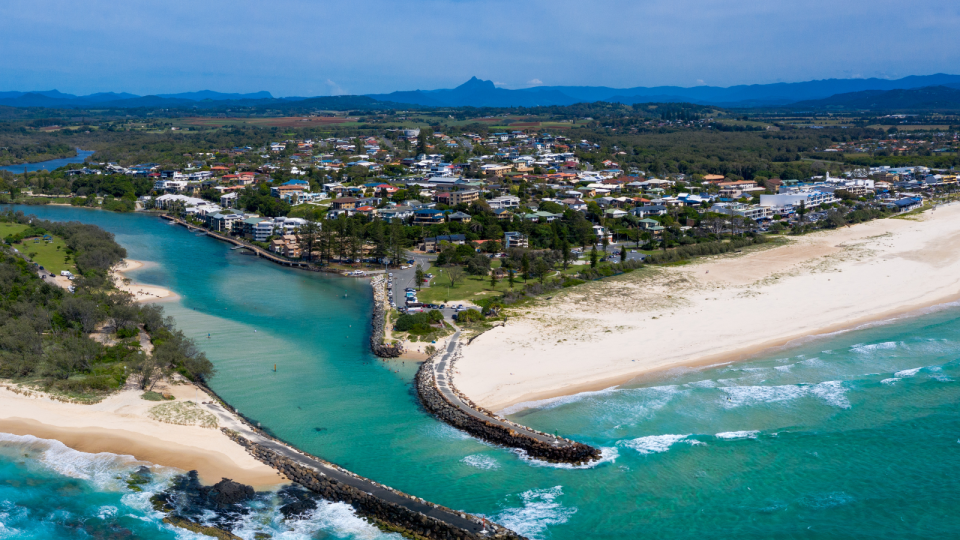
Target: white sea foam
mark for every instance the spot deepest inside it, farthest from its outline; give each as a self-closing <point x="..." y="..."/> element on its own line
<point x="907" y="372"/>
<point x="107" y="512"/>
<point x="890" y="381"/>
<point x="734" y="435"/>
<point x="832" y="392"/>
<point x="101" y="469"/>
<point x="540" y="510"/>
<point x="607" y="455"/>
<point x="706" y="383"/>
<point x="653" y="444"/>
<point x="337" y="520"/>
<point x="869" y="348"/>
<point x="481" y="461"/>
<point x="784" y="368"/>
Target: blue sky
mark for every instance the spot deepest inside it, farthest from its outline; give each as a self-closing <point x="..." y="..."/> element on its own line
<point x="313" y="47"/>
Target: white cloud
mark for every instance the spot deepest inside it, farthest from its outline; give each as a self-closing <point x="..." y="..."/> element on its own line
<point x="335" y="89"/>
<point x="535" y="82"/>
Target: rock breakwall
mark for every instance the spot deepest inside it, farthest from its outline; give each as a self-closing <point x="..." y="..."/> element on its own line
<point x="380" y="306"/>
<point x="391" y="509"/>
<point x="494" y="429"/>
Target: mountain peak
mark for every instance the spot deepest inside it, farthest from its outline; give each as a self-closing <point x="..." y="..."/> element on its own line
<point x="475" y="84"/>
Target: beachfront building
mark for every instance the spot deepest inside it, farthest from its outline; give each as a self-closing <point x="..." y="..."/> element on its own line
<point x="749" y="211"/>
<point x="789" y="201"/>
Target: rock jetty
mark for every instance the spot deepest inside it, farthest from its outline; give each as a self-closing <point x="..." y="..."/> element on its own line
<point x="486" y="425"/>
<point x="381" y="303"/>
<point x="388" y="508"/>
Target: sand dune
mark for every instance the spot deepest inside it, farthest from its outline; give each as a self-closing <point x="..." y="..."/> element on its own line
<point x="720" y="309"/>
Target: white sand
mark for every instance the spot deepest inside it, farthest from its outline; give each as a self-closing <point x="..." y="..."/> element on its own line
<point x="722" y="309"/>
<point x="119" y="424"/>
<point x="143" y="293"/>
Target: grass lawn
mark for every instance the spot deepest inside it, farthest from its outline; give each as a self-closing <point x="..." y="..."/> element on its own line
<point x="472" y="288"/>
<point x="50" y="255"/>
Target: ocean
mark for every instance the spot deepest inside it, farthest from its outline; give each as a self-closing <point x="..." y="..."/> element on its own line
<point x="851" y="435"/>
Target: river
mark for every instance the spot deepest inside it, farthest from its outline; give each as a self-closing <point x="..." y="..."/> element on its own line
<point x="852" y="435"/>
<point x="53" y="164"/>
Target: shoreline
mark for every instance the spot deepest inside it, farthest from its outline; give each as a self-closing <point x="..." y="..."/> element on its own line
<point x="119" y="424"/>
<point x="742" y="355"/>
<point x="718" y="310"/>
<point x="143" y="293"/>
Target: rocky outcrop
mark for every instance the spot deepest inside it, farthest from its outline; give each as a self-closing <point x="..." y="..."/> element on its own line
<point x="390" y="509"/>
<point x="435" y="402"/>
<point x="381" y="303"/>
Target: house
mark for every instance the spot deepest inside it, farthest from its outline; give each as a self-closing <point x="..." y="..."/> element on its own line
<point x="615" y="213"/>
<point x="427" y="216"/>
<point x="454" y="198"/>
<point x="344" y="203"/>
<point x="223" y="221"/>
<point x="651" y="225"/>
<point x="503" y="214"/>
<point x="506" y="201"/>
<point x="399" y="213"/>
<point x="515" y="240"/>
<point x="460" y="217"/>
<point x="650" y="210"/>
<point x="432" y="244"/>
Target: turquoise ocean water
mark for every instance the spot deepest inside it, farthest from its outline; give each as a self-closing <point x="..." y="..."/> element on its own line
<point x="853" y="435"/>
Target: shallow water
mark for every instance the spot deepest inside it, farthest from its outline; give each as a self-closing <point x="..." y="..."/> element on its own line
<point x="853" y="435"/>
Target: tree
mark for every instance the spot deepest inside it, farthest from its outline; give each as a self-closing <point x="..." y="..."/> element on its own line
<point x="623" y="253"/>
<point x="396" y="242"/>
<point x="541" y="267"/>
<point x="420" y="275"/>
<point x="511" y="278"/>
<point x="308" y="236"/>
<point x="594" y="257"/>
<point x="493" y="280"/>
<point x="455" y="275"/>
<point x="565" y="252"/>
<point x="802" y="211"/>
<point x="525" y="266"/>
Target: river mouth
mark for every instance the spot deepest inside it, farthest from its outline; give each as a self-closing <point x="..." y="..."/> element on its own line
<point x="787" y="441"/>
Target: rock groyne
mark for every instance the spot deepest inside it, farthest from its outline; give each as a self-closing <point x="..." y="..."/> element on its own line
<point x="392" y="510"/>
<point x="380" y="305"/>
<point x="486" y="425"/>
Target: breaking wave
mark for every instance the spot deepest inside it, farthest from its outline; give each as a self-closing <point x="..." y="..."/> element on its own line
<point x="540" y="510"/>
<point x="655" y="444"/>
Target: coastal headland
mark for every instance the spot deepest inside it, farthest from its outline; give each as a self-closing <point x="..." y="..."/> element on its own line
<point x="720" y="309"/>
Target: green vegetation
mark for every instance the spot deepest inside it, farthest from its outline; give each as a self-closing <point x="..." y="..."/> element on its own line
<point x="418" y="323"/>
<point x="45" y="331"/>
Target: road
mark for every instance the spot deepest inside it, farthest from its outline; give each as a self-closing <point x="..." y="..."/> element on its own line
<point x="403" y="279"/>
<point x="441" y="375"/>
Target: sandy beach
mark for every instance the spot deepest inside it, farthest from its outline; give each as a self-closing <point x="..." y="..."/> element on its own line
<point x="720" y="309"/>
<point x="143" y="293"/>
<point x="121" y="424"/>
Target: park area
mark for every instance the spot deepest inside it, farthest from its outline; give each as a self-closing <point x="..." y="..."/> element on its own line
<point x="42" y="248"/>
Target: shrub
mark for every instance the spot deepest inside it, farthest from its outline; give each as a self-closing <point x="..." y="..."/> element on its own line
<point x="470" y="315"/>
<point x="418" y="323"/>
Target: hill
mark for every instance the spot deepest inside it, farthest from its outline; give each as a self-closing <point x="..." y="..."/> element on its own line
<point x="915" y="99"/>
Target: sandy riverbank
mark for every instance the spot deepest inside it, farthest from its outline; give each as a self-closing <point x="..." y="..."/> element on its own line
<point x="143" y="293"/>
<point x="722" y="309"/>
<point x="120" y="425"/>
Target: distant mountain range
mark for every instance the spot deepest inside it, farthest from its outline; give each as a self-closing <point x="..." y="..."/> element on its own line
<point x="915" y="99"/>
<point x="479" y="93"/>
<point x="58" y="100"/>
<point x="927" y="91"/>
